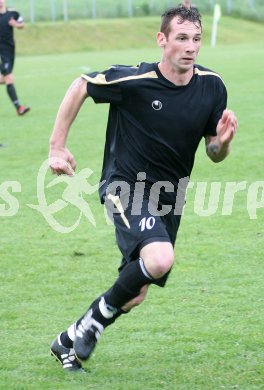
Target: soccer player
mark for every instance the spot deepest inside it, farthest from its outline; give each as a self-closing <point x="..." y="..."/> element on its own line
<point x="9" y="20"/>
<point x="159" y="112"/>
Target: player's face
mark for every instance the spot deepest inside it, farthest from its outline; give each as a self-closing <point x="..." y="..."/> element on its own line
<point x="2" y="5"/>
<point x="182" y="45"/>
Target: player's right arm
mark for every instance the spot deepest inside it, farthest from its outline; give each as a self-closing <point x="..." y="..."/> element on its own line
<point x="61" y="160"/>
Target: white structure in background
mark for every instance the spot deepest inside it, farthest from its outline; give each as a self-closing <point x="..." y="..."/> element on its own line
<point x="44" y="10"/>
<point x="217" y="16"/>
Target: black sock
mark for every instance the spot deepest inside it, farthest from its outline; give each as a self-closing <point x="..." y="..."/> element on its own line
<point x="12" y="94"/>
<point x="65" y="340"/>
<point x="98" y="316"/>
<point x="127" y="286"/>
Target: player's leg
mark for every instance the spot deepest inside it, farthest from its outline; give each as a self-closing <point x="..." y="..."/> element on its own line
<point x="65" y="355"/>
<point x="137" y="300"/>
<point x="11" y="91"/>
<point x="2" y="80"/>
<point x="128" y="291"/>
<point x="65" y="339"/>
<point x="158" y="258"/>
<point x="134" y="275"/>
<point x="62" y="347"/>
<point x="8" y="77"/>
<point x="131" y="286"/>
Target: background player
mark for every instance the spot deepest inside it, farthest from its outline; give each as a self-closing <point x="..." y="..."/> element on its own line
<point x="9" y="20"/>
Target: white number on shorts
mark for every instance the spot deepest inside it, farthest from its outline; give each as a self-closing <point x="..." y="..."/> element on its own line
<point x="147" y="223"/>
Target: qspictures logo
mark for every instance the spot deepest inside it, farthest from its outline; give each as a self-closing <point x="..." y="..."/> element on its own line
<point x="76" y="191"/>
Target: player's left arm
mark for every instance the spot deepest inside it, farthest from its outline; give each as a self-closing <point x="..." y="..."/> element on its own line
<point x="17" y="22"/>
<point x="218" y="147"/>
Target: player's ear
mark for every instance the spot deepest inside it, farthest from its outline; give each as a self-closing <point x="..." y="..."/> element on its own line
<point x="161" y="39"/>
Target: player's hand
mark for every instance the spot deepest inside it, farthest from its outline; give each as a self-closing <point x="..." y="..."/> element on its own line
<point x="227" y="127"/>
<point x="12" y="22"/>
<point x="61" y="161"/>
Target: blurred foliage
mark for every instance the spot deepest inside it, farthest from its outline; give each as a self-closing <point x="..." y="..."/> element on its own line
<point x="35" y="10"/>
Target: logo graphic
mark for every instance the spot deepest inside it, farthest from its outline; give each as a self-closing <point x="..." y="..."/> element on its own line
<point x="156" y="105"/>
<point x="77" y="185"/>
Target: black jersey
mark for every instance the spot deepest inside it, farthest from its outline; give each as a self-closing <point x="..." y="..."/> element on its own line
<point x="155" y="126"/>
<point x="6" y="31"/>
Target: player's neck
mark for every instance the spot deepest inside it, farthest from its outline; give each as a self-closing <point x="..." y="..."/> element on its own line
<point x="3" y="9"/>
<point x="175" y="76"/>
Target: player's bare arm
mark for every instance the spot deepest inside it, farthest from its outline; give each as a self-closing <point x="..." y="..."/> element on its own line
<point x="218" y="147"/>
<point x="61" y="159"/>
<point x="14" y="23"/>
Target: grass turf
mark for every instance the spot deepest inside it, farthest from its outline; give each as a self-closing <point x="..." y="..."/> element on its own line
<point x="112" y="34"/>
<point x="205" y="329"/>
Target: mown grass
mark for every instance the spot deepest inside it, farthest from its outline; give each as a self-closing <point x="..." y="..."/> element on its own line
<point x="115" y="34"/>
<point x="205" y="329"/>
<point x="88" y="9"/>
<point x="49" y="10"/>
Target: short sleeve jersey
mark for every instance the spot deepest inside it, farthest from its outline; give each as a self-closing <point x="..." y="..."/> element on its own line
<point x="6" y="31"/>
<point x="155" y="126"/>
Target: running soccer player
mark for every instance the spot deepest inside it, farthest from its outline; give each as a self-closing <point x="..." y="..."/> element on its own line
<point x="159" y="113"/>
<point x="9" y="20"/>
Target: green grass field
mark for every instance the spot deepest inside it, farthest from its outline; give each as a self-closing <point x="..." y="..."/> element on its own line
<point x="106" y="34"/>
<point x="43" y="10"/>
<point x="205" y="329"/>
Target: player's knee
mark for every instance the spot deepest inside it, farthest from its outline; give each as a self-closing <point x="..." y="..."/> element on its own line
<point x="9" y="78"/>
<point x="158" y="259"/>
<point x="162" y="264"/>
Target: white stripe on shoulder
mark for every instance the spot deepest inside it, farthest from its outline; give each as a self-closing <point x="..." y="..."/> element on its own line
<point x="206" y="73"/>
<point x="100" y="78"/>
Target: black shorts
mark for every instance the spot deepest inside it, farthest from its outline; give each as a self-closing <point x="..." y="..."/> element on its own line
<point x="139" y="226"/>
<point x="7" y="59"/>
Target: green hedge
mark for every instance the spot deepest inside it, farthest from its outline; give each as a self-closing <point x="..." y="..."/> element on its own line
<point x="36" y="10"/>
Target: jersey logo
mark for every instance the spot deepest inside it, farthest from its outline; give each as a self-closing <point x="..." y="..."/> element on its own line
<point x="156" y="105"/>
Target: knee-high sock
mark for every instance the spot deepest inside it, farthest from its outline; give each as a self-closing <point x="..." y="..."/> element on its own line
<point x="11" y="91"/>
<point x="67" y="337"/>
<point x="127" y="286"/>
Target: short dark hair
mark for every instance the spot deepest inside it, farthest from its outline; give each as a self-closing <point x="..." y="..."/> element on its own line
<point x="183" y="13"/>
